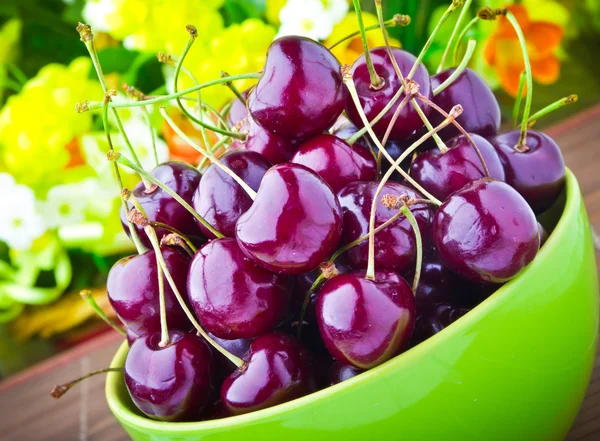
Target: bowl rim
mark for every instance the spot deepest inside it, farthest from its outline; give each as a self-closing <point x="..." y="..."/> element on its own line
<point x="123" y="413"/>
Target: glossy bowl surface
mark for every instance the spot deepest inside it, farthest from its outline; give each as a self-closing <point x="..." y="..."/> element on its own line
<point x="514" y="368"/>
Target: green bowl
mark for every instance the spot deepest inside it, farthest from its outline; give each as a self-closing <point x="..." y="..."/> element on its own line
<point x="514" y="368"/>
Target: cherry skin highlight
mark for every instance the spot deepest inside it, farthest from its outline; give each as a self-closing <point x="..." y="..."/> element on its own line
<point x="173" y="383"/>
<point x="132" y="288"/>
<point x="395" y="246"/>
<point x="441" y="174"/>
<point x="219" y="199"/>
<point x="481" y="112"/>
<point x="373" y="101"/>
<point x="539" y="173"/>
<point x="486" y="232"/>
<point x="340" y="372"/>
<point x="277" y="369"/>
<point x="301" y="93"/>
<point x="294" y="223"/>
<point x="364" y="322"/>
<point x="183" y="179"/>
<point x="233" y="297"/>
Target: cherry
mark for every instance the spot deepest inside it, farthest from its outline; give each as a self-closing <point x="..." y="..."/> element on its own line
<point x="132" y="288"/>
<point x="538" y="173"/>
<point x="486" y="232"/>
<point x="294" y="223"/>
<point x="365" y="322"/>
<point x="161" y="207"/>
<point x="481" y="112"/>
<point x="436" y="319"/>
<point x="231" y="296"/>
<point x="223" y="365"/>
<point x="219" y="199"/>
<point x="395" y="149"/>
<point x="238" y="112"/>
<point x="395" y="247"/>
<point x="277" y="369"/>
<point x="341" y="372"/>
<point x="441" y="174"/>
<point x="171" y="383"/>
<point x="301" y="93"/>
<point x="337" y="162"/>
<point x="373" y="101"/>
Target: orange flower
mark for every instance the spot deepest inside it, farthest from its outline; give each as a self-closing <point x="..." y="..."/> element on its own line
<point x="503" y="52"/>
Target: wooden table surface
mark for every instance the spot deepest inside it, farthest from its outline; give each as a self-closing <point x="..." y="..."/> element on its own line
<point x="28" y="413"/>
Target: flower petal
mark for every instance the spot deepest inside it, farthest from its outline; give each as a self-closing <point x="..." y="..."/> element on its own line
<point x="543" y="38"/>
<point x="546" y="70"/>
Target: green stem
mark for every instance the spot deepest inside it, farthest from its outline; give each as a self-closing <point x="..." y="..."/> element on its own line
<point x="164" y="329"/>
<point x="306" y="302"/>
<point x="398" y="20"/>
<point x="89" y="299"/>
<point x="213" y="149"/>
<point x="232" y="87"/>
<point x="175" y="231"/>
<point x="152" y="134"/>
<point x="461" y="37"/>
<point x="419" y="243"/>
<point x="519" y="97"/>
<point x="463" y="13"/>
<point x="120" y="159"/>
<point x="376" y="81"/>
<point x="552" y="107"/>
<point x="459" y="69"/>
<point x="59" y="390"/>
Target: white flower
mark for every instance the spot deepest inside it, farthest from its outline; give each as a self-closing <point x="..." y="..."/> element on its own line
<point x="96" y="12"/>
<point x="335" y="9"/>
<point x="20" y="223"/>
<point x="64" y="205"/>
<point x="307" y="18"/>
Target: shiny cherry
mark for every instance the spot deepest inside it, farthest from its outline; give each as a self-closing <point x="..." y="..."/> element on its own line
<point x="301" y="93"/>
<point x="486" y="232"/>
<point x="395" y="247"/>
<point x="365" y="322"/>
<point x="481" y="112"/>
<point x="233" y="297"/>
<point x="442" y="174"/>
<point x="183" y="179"/>
<point x="224" y="366"/>
<point x="277" y="369"/>
<point x="434" y="320"/>
<point x="538" y="173"/>
<point x="294" y="223"/>
<point x="337" y="162"/>
<point x="340" y="372"/>
<point x="373" y="101"/>
<point x="219" y="199"/>
<point x="132" y="288"/>
<point x="173" y="383"/>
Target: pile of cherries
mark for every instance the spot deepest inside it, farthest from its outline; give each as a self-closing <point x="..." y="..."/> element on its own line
<point x="233" y="343"/>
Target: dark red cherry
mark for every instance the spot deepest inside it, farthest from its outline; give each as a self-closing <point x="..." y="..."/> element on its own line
<point x="442" y="174"/>
<point x="486" y="232"/>
<point x="219" y="199"/>
<point x="395" y="247"/>
<point x="337" y="162"/>
<point x="130" y="336"/>
<point x="238" y="112"/>
<point x="224" y="366"/>
<point x="434" y="320"/>
<point x="132" y="288"/>
<point x="294" y="223"/>
<point x="301" y="93"/>
<point x="277" y="369"/>
<point x="173" y="383"/>
<point x="365" y="322"/>
<point x="183" y="179"/>
<point x="481" y="112"/>
<point x="233" y="297"/>
<point x="539" y="173"/>
<point x="373" y="101"/>
<point x="341" y="372"/>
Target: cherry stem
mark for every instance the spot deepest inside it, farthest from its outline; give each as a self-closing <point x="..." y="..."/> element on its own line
<point x="232" y="87"/>
<point x="235" y="360"/>
<point x="460" y="129"/>
<point x="86" y="295"/>
<point x="376" y="81"/>
<point x="93" y="105"/>
<point x="152" y="134"/>
<point x="352" y="89"/>
<point x="213" y="149"/>
<point x="419" y="240"/>
<point x="463" y="13"/>
<point x="459" y="69"/>
<point x="461" y="37"/>
<point x="552" y="107"/>
<point x="208" y="154"/>
<point x="60" y="389"/>
<point x="86" y="35"/>
<point x="396" y="20"/>
<point x="128" y="196"/>
<point x="518" y="99"/>
<point x="454" y="113"/>
<point x="306" y="302"/>
<point x="164" y="329"/>
<point x="120" y="159"/>
<point x="522" y="143"/>
<point x="176" y="232"/>
<point x="408" y="97"/>
<point x="139" y="246"/>
<point x="174" y="240"/>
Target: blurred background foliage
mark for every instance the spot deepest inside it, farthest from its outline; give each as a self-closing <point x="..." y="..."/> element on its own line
<point x="59" y="228"/>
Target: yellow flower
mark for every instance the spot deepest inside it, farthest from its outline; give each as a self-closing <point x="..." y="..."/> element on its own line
<point x="348" y="51"/>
